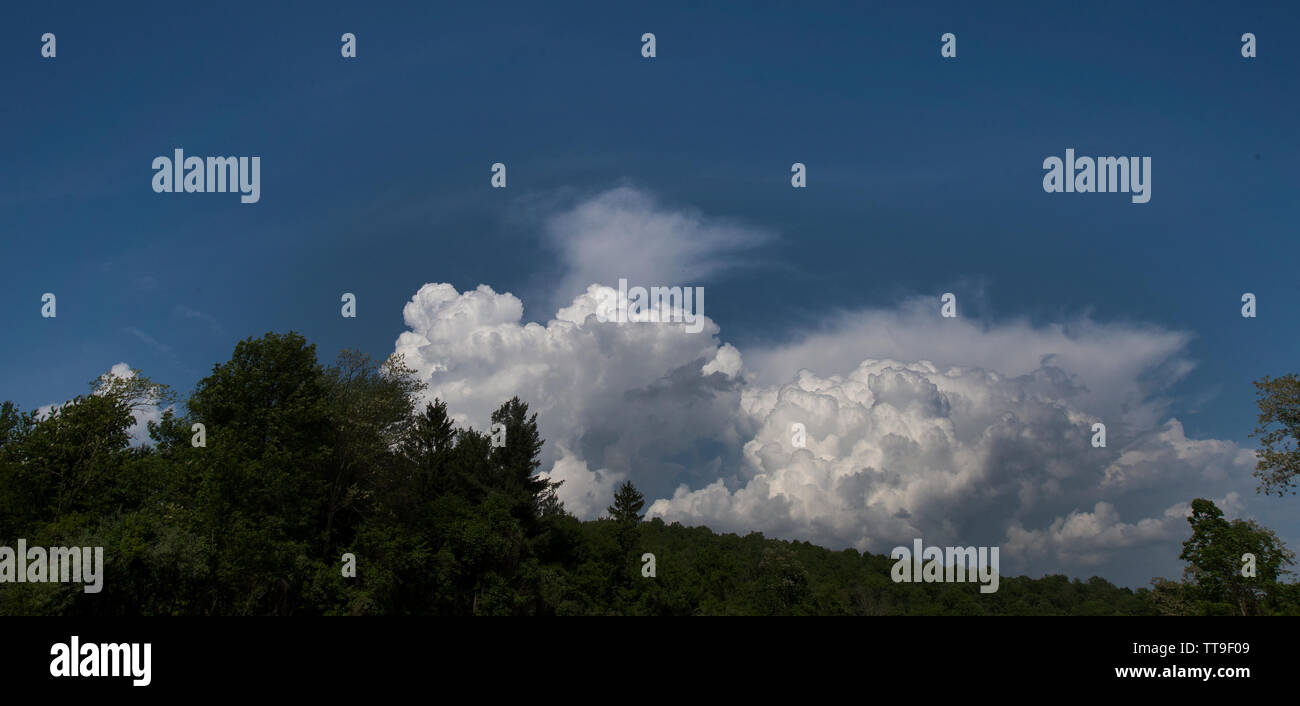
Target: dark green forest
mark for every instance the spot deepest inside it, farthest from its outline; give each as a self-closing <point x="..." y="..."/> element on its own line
<point x="303" y="463"/>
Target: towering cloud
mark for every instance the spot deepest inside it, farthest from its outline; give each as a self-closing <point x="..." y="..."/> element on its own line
<point x="959" y="432"/>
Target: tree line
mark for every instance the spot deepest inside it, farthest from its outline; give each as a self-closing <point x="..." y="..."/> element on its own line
<point x="304" y="463"/>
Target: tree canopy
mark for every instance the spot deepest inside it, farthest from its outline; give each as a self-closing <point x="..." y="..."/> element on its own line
<point x="1278" y="433"/>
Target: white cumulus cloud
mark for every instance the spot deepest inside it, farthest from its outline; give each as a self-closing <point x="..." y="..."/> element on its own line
<point x="957" y="431"/>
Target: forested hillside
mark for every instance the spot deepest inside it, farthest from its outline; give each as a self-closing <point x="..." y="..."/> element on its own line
<point x="301" y="464"/>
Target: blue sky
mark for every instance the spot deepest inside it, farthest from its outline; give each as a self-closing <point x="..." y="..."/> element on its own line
<point x="924" y="174"/>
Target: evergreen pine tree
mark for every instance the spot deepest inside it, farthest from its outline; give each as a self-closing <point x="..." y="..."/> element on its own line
<point x="628" y="502"/>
